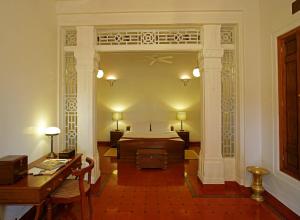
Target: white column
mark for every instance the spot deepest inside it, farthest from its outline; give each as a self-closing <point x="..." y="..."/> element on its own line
<point x="211" y="167"/>
<point x="84" y="55"/>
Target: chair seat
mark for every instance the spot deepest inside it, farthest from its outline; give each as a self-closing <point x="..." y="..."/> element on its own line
<point x="69" y="189"/>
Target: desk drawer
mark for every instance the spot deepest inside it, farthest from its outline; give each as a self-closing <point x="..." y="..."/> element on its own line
<point x="20" y="196"/>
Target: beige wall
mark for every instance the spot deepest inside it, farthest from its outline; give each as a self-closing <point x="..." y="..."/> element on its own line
<point x="28" y="79"/>
<point x="88" y="6"/>
<point x="245" y="13"/>
<point x="148" y="93"/>
<point x="276" y="19"/>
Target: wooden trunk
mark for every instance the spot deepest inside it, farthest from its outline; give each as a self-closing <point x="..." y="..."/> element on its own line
<point x="127" y="149"/>
<point x="151" y="158"/>
<point x="13" y="168"/>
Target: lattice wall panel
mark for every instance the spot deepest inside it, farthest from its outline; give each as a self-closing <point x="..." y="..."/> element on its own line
<point x="227" y="35"/>
<point x="70" y="37"/>
<point x="229" y="99"/>
<point x="70" y="101"/>
<point x="148" y="37"/>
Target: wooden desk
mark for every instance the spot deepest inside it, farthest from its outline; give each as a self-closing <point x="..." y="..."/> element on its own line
<point x="35" y="189"/>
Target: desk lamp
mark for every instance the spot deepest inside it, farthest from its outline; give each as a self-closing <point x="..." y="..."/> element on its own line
<point x="182" y="117"/>
<point x="52" y="131"/>
<point x="116" y="116"/>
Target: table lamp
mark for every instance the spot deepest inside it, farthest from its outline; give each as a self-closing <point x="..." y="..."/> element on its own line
<point x="116" y="116"/>
<point x="52" y="131"/>
<point x="182" y="117"/>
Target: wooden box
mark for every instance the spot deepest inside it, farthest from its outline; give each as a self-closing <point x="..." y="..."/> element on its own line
<point x="66" y="154"/>
<point x="13" y="168"/>
<point x="151" y="158"/>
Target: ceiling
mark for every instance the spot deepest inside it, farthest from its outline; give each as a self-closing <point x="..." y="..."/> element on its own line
<point x="176" y="63"/>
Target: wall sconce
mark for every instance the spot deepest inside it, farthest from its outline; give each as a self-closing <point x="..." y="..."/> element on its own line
<point x="185" y="79"/>
<point x="52" y="131"/>
<point x="111" y="80"/>
<point x="100" y="74"/>
<point x="196" y="72"/>
<point x="117" y="116"/>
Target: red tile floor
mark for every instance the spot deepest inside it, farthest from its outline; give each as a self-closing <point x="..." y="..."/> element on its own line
<point x="127" y="193"/>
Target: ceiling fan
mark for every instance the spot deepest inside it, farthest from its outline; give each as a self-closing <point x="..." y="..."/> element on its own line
<point x="160" y="59"/>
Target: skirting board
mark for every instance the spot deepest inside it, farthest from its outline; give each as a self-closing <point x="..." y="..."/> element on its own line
<point x="280" y="207"/>
<point x="195" y="144"/>
<point x="103" y="143"/>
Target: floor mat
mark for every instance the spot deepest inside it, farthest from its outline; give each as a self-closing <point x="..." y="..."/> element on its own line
<point x="111" y="152"/>
<point x="190" y="155"/>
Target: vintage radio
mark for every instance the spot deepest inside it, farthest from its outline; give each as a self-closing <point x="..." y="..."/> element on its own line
<point x="13" y="168"/>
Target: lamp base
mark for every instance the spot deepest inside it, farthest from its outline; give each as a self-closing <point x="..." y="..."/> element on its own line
<point x="181" y="130"/>
<point x="52" y="155"/>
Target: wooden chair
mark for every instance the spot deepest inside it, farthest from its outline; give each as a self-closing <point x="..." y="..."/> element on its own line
<point x="74" y="190"/>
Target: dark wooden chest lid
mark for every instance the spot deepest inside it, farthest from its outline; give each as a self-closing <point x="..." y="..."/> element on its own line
<point x="12" y="158"/>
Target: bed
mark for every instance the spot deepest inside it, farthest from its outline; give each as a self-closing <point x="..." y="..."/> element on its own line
<point x="168" y="140"/>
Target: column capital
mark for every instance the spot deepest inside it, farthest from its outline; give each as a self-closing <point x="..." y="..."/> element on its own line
<point x="212" y="53"/>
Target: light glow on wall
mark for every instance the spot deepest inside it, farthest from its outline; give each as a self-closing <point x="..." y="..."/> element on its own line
<point x="185" y="76"/>
<point x="118" y="108"/>
<point x="111" y="77"/>
<point x="38" y="129"/>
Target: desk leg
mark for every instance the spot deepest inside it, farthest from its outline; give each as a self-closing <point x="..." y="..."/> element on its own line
<point x="49" y="211"/>
<point x="38" y="211"/>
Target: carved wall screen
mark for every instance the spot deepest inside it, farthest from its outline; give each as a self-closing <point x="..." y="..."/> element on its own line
<point x="70" y="101"/>
<point x="228" y="79"/>
<point x="148" y="37"/>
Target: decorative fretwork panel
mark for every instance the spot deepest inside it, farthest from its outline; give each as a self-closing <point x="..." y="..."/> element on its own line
<point x="148" y="37"/>
<point x="70" y="38"/>
<point x="229" y="98"/>
<point x="70" y="101"/>
<point x="227" y="35"/>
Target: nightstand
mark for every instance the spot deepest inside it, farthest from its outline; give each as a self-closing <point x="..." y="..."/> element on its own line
<point x="114" y="137"/>
<point x="185" y="135"/>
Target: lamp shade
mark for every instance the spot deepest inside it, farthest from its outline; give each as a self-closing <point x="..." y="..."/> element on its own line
<point x="181" y="116"/>
<point x="116" y="116"/>
<point x="52" y="131"/>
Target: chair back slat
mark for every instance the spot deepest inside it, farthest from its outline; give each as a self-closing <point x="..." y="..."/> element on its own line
<point x="80" y="173"/>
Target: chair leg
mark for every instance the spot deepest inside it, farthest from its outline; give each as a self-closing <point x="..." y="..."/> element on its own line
<point x="83" y="210"/>
<point x="90" y="205"/>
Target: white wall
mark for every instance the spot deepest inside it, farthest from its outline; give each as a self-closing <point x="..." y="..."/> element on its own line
<point x="28" y="90"/>
<point x="148" y="93"/>
<point x="275" y="21"/>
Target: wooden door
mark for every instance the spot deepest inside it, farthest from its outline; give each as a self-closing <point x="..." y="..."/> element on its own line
<point x="289" y="102"/>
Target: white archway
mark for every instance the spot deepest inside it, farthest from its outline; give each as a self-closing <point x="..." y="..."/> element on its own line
<point x="211" y="163"/>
